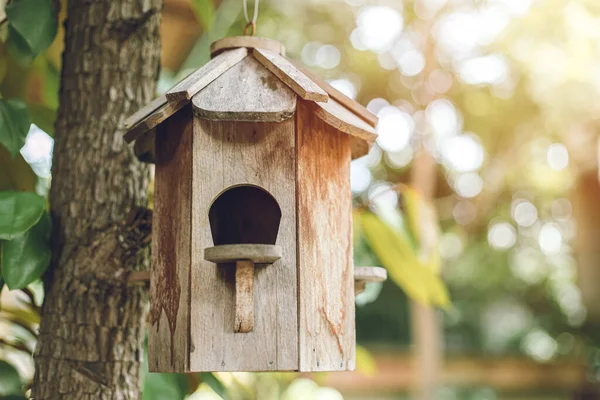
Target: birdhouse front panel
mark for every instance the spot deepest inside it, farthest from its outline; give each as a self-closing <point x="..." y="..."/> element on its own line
<point x="245" y="173"/>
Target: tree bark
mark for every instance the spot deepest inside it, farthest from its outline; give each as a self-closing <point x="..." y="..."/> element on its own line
<point x="92" y="327"/>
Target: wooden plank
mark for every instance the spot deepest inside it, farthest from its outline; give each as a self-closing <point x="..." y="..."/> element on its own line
<point x="290" y="75"/>
<point x="396" y="374"/>
<point x="257" y="253"/>
<point x="325" y="265"/>
<point x="340" y="97"/>
<point x="340" y="118"/>
<point x="249" y="42"/>
<point x="143" y="112"/>
<point x="246" y="92"/>
<point x="227" y="154"/>
<point x="244" y="296"/>
<point x="168" y="331"/>
<point x="153" y="120"/>
<point x="210" y="71"/>
<point x="370" y="274"/>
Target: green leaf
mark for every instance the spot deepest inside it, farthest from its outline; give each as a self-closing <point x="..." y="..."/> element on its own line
<point x="159" y="386"/>
<point x="26" y="257"/>
<point x="10" y="381"/>
<point x="15" y="173"/>
<point x="214" y="383"/>
<point x="205" y="11"/>
<point x="32" y="23"/>
<point x="14" y="124"/>
<point x="396" y="254"/>
<point x="19" y="211"/>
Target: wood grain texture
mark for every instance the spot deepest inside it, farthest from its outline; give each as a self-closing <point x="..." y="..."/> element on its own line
<point x="242" y="153"/>
<point x="246" y="92"/>
<point x="210" y="71"/>
<point x="168" y="330"/>
<point x="244" y="296"/>
<point x="290" y="75"/>
<point x="339" y="117"/>
<point x="325" y="266"/>
<point x="257" y="253"/>
<point x="152" y="120"/>
<point x="249" y="42"/>
<point x="340" y="97"/>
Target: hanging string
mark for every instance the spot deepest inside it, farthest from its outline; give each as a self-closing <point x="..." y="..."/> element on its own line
<point x="250" y="23"/>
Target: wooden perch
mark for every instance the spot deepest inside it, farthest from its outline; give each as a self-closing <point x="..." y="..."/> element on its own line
<point x="244" y="256"/>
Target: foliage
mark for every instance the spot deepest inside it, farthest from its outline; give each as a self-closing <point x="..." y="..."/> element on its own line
<point x="14" y="124"/>
<point x="10" y="381"/>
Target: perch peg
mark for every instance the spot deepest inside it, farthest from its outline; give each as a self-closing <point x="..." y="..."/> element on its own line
<point x="244" y="256"/>
<point x="362" y="275"/>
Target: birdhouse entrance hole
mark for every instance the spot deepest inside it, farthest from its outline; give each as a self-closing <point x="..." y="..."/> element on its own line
<point x="244" y="221"/>
<point x="244" y="215"/>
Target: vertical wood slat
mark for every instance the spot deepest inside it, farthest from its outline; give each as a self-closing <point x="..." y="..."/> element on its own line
<point x="237" y="153"/>
<point x="325" y="264"/>
<point x="168" y="331"/>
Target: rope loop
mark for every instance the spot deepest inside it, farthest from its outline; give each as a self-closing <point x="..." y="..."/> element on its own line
<point x="250" y="26"/>
<point x="250" y="23"/>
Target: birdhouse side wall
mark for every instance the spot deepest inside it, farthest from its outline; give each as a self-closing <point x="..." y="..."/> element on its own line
<point x="168" y="331"/>
<point x="325" y="253"/>
<point x="227" y="154"/>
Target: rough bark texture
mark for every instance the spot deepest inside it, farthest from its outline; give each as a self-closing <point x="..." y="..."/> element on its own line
<point x="92" y="328"/>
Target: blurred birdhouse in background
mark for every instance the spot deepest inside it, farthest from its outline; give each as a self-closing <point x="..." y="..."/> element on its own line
<point x="252" y="265"/>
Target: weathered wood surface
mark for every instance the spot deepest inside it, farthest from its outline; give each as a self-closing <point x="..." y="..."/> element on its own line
<point x="152" y="120"/>
<point x="340" y="97"/>
<point x="257" y="253"/>
<point x="339" y="117"/>
<point x="238" y="153"/>
<point x="249" y="42"/>
<point x="143" y="112"/>
<point x="325" y="265"/>
<point x="244" y="296"/>
<point x="370" y="274"/>
<point x="246" y="92"/>
<point x="210" y="71"/>
<point x="168" y="330"/>
<point x="290" y="75"/>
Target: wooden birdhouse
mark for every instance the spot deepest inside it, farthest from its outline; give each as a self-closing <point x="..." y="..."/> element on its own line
<point x="252" y="264"/>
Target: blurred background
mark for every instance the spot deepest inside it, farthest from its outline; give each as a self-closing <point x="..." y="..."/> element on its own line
<point x="484" y="183"/>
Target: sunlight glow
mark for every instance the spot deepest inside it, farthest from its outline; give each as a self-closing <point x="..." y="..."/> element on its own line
<point x="502" y="236"/>
<point x="395" y="128"/>
<point x="468" y="185"/>
<point x="557" y="156"/>
<point x="462" y="153"/>
<point x="524" y="213"/>
<point x="550" y="239"/>
<point x="492" y="69"/>
<point x="377" y="28"/>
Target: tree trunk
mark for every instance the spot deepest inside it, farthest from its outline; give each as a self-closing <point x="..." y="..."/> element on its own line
<point x="93" y="324"/>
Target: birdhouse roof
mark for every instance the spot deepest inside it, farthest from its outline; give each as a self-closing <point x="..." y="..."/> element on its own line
<point x="253" y="61"/>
